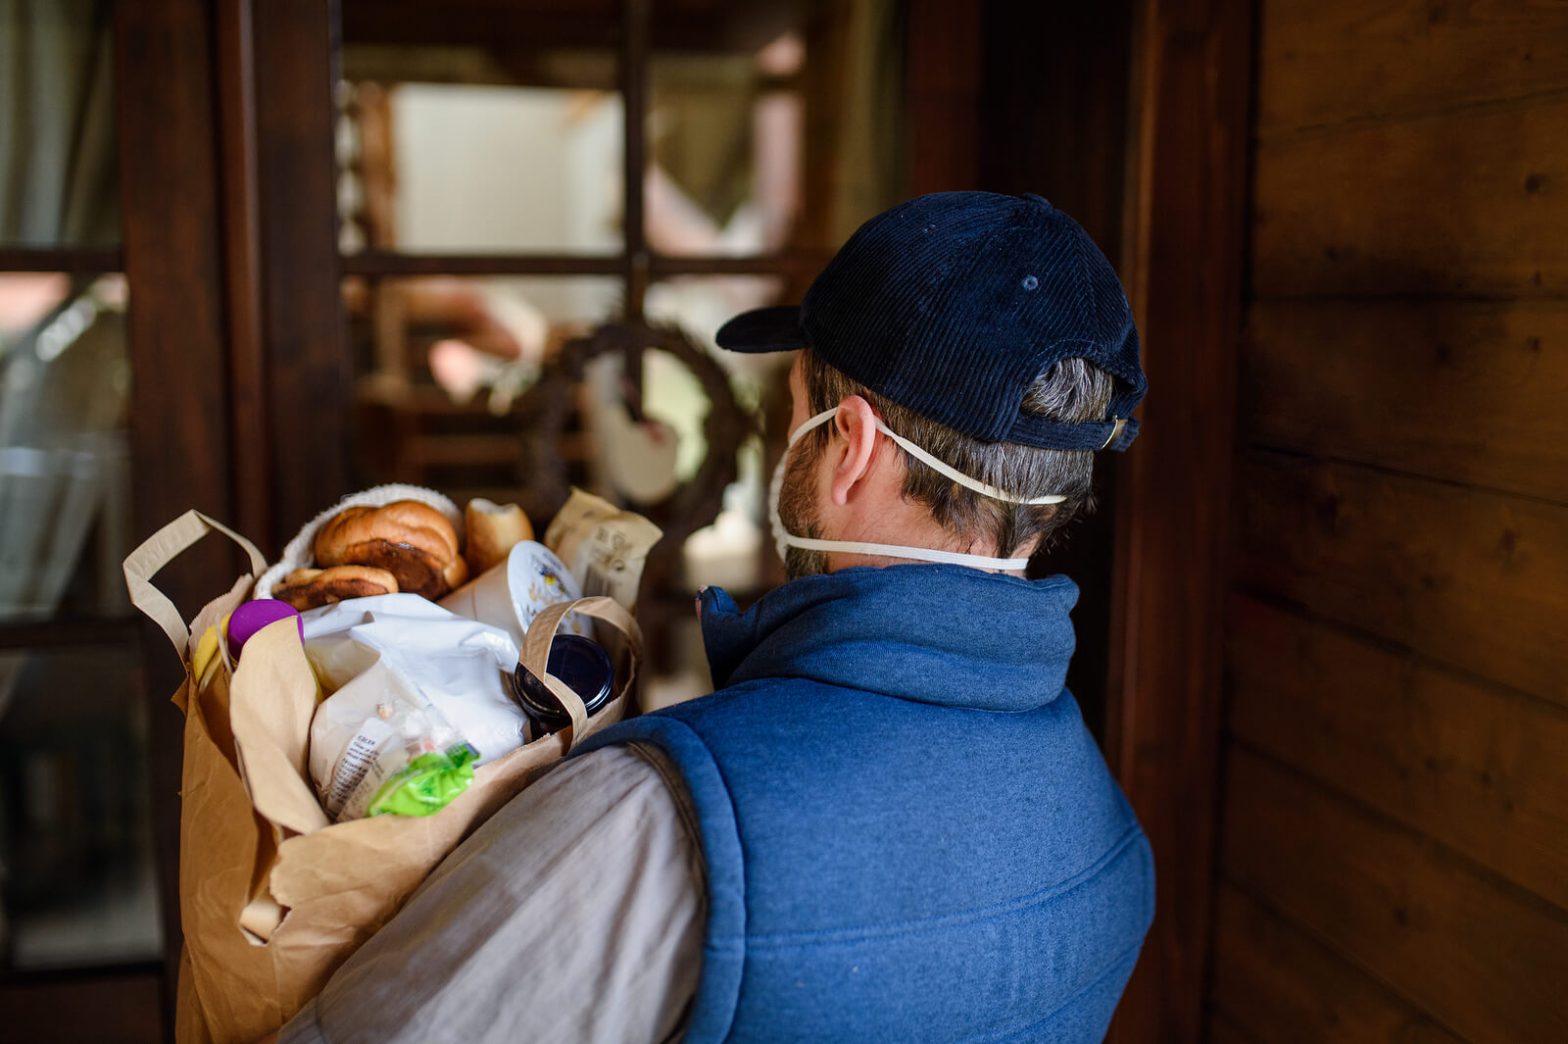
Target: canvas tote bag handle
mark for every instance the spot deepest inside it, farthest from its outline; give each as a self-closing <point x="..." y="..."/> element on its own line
<point x="541" y="634"/>
<point x="164" y="547"/>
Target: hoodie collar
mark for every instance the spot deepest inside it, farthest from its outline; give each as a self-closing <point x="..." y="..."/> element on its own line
<point x="931" y="633"/>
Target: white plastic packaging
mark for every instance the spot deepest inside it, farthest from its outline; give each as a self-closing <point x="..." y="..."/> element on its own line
<point x="403" y="672"/>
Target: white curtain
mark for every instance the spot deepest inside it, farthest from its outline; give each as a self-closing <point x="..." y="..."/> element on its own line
<point x="56" y="124"/>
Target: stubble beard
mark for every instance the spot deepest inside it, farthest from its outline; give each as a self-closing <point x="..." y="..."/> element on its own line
<point x="798" y="512"/>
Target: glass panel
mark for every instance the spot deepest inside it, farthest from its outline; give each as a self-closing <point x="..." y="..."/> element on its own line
<point x="773" y="124"/>
<point x="729" y="552"/>
<point x="57" y="149"/>
<point x="75" y="840"/>
<point x="725" y="129"/>
<point x="480" y="150"/>
<point x="734" y="551"/>
<point x="64" y="453"/>
<point x="444" y="363"/>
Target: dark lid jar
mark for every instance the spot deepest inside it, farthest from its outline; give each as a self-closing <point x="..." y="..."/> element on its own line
<point x="585" y="668"/>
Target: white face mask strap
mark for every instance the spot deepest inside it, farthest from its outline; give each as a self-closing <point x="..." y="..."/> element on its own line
<point x="940" y="466"/>
<point x="920" y="554"/>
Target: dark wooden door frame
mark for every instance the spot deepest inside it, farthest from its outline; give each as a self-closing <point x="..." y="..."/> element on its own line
<point x="1183" y="264"/>
<point x="179" y="418"/>
<point x="304" y="352"/>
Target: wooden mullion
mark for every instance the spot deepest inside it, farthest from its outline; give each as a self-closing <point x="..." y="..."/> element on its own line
<point x="68" y="633"/>
<point x="235" y="73"/>
<point x="635" y="58"/>
<point x="385" y="264"/>
<point x="76" y="261"/>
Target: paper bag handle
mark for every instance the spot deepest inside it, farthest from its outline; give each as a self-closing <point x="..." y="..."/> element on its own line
<point x="541" y="635"/>
<point x="164" y="547"/>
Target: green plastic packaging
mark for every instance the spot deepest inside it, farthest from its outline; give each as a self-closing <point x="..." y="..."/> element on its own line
<point x="427" y="784"/>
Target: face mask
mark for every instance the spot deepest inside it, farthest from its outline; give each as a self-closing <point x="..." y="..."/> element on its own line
<point x="784" y="539"/>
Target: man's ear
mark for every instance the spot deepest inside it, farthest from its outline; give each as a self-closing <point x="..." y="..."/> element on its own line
<point x="857" y="423"/>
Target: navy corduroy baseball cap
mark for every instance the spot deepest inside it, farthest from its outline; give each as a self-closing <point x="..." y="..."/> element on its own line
<point x="952" y="304"/>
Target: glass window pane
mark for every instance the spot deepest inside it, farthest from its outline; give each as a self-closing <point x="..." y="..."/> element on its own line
<point x="79" y="885"/>
<point x="725" y="133"/>
<point x="729" y="552"/>
<point x="64" y="449"/>
<point x="734" y="550"/>
<point x="57" y="148"/>
<point x="772" y="126"/>
<point x="449" y="150"/>
<point x="444" y="364"/>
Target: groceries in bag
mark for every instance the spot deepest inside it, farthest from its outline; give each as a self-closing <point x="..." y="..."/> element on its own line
<point x="511" y="594"/>
<point x="492" y="531"/>
<point x="604" y="547"/>
<point x="406" y="678"/>
<point x="276" y="895"/>
<point x="417" y="695"/>
<point x="582" y="665"/>
<point x="383" y="540"/>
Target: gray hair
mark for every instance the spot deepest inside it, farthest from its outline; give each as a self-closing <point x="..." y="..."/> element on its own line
<point x="1072" y="390"/>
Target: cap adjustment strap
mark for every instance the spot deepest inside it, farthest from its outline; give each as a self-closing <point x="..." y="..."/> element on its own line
<point x="1116" y="431"/>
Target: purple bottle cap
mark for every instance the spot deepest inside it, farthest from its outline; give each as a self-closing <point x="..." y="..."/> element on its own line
<point x="251" y="617"/>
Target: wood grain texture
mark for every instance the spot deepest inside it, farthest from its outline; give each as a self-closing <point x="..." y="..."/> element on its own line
<point x="1481" y="769"/>
<point x="1486" y="961"/>
<point x="1182" y="266"/>
<point x="1053" y="120"/>
<point x="1224" y="1030"/>
<point x="307" y="360"/>
<point x="1334" y="61"/>
<point x="180" y="455"/>
<point x="1472" y="203"/>
<point x="942" y="95"/>
<point x="1472" y="579"/>
<point x="1286" y="988"/>
<point x="236" y="85"/>
<point x="110" y="1008"/>
<point x="1472" y="392"/>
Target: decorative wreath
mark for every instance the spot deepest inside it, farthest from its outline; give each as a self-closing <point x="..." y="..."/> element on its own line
<point x="692" y="504"/>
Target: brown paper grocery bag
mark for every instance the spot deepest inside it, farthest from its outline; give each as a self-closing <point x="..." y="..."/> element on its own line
<point x="274" y="897"/>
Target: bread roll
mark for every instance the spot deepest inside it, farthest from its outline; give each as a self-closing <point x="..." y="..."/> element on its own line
<point x="311" y="588"/>
<point x="493" y="530"/>
<point x="413" y="542"/>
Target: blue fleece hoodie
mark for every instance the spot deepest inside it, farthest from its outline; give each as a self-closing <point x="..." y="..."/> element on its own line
<point x="908" y="832"/>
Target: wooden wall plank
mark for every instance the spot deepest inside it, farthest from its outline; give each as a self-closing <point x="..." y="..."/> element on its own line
<point x="1466" y="391"/>
<point x="1283" y="987"/>
<point x="1182" y="267"/>
<point x="1486" y="960"/>
<point x="1483" y="770"/>
<point x="1331" y="61"/>
<point x="1472" y="579"/>
<point x="1474" y="203"/>
<point x="1223" y="1030"/>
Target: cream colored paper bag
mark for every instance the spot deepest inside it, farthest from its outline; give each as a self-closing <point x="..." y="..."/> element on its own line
<point x="273" y="898"/>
